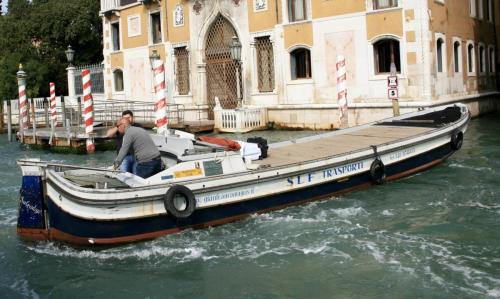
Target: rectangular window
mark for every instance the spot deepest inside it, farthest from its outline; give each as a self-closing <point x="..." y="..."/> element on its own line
<point x="115" y="36"/>
<point x="182" y="70"/>
<point x="381" y="4"/>
<point x="472" y="8"/>
<point x="480" y="9"/>
<point x="491" y="60"/>
<point x="456" y="56"/>
<point x="265" y="64"/>
<point x="155" y="28"/>
<point x="482" y="60"/>
<point x="489" y="10"/>
<point x="470" y="58"/>
<point x="300" y="63"/>
<point x="386" y="54"/>
<point x="297" y="10"/>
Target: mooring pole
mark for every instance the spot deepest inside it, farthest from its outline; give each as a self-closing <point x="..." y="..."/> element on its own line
<point x="28" y="114"/>
<point x="2" y="112"/>
<point x="34" y="119"/>
<point x="9" y="121"/>
<point x="46" y="111"/>
<point x="79" y="116"/>
<point x="63" y="111"/>
<point x="23" y="102"/>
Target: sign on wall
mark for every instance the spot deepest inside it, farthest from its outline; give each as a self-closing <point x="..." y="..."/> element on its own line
<point x="134" y="25"/>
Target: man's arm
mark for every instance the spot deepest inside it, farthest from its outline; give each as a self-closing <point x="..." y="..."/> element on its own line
<point x="111" y="132"/>
<point x="127" y="143"/>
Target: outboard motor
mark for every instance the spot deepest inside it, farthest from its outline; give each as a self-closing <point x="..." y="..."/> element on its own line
<point x="262" y="143"/>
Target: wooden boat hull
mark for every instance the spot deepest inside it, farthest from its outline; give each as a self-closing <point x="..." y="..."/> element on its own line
<point x="64" y="216"/>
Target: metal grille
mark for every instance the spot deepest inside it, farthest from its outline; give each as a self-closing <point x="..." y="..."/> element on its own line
<point x="182" y="70"/>
<point x="96" y="78"/>
<point x="221" y="69"/>
<point x="265" y="63"/>
<point x="381" y="4"/>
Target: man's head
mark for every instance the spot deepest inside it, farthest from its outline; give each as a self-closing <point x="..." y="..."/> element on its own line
<point x="128" y="114"/>
<point x="122" y="124"/>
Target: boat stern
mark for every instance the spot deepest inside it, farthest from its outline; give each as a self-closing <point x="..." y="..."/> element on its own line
<point x="31" y="220"/>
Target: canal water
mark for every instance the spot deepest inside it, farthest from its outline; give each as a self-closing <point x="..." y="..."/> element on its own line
<point x="432" y="235"/>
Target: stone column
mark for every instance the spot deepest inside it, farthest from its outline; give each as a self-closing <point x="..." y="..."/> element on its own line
<point x="71" y="70"/>
<point x="202" y="86"/>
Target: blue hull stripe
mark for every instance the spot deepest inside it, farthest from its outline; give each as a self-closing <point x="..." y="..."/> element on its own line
<point x="123" y="228"/>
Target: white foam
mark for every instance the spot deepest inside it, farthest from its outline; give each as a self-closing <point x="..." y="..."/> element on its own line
<point x="350" y="212"/>
<point x="387" y="213"/>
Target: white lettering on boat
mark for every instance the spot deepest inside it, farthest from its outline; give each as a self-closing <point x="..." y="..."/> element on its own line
<point x="402" y="153"/>
<point x="325" y="174"/>
<point x="31" y="207"/>
<point x="226" y="195"/>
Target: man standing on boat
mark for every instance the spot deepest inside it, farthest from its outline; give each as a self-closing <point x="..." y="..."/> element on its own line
<point x="137" y="141"/>
<point x="128" y="162"/>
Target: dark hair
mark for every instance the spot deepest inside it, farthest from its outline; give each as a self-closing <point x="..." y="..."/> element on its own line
<point x="127" y="112"/>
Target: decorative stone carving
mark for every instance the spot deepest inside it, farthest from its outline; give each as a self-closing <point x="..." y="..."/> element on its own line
<point x="178" y="15"/>
<point x="197" y="7"/>
<point x="260" y="5"/>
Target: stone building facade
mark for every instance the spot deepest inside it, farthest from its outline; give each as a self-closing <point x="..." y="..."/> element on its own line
<point x="444" y="51"/>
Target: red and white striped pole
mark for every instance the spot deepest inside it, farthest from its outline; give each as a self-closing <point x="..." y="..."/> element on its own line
<point x="161" y="101"/>
<point x="88" y="110"/>
<point x="23" y="101"/>
<point x="342" y="91"/>
<point x="53" y="112"/>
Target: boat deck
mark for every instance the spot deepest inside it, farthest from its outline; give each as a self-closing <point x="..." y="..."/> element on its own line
<point x="339" y="144"/>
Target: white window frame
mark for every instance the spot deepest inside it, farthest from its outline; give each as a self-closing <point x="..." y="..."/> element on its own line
<point x="290" y="73"/>
<point x="284" y="5"/>
<point x="490" y="10"/>
<point x="472" y="60"/>
<point x="371" y="6"/>
<point x="150" y="25"/>
<point x="472" y="8"/>
<point x="444" y="63"/>
<point x="491" y="60"/>
<point x="255" y="79"/>
<point x="119" y="36"/>
<point x="483" y="56"/>
<point x="371" y="57"/>
<point x="114" y="80"/>
<point x="459" y="58"/>
<point x="480" y="9"/>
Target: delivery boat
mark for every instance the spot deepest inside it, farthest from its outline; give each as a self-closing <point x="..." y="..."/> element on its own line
<point x="206" y="185"/>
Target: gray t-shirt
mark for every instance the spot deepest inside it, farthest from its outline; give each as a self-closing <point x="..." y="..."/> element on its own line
<point x="137" y="141"/>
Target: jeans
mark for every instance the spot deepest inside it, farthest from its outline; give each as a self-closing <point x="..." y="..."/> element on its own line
<point x="128" y="164"/>
<point x="147" y="169"/>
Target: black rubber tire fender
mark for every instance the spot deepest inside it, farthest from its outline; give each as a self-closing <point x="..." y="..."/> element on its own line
<point x="377" y="171"/>
<point x="457" y="139"/>
<point x="180" y="201"/>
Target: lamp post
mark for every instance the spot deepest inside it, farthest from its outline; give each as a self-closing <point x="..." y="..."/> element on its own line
<point x="70" y="54"/>
<point x="153" y="57"/>
<point x="235" y="48"/>
<point x="71" y="70"/>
